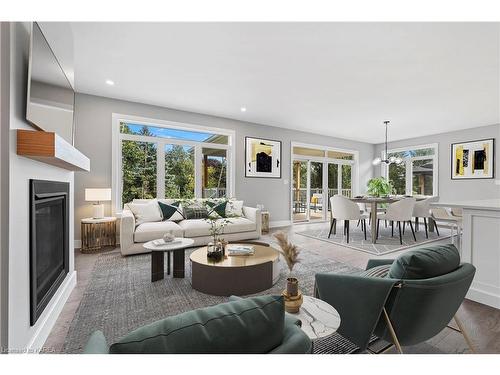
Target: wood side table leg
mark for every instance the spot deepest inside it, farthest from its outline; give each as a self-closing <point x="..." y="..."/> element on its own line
<point x="374" y="222"/>
<point x="157" y="265"/>
<point x="179" y="263"/>
<point x="168" y="262"/>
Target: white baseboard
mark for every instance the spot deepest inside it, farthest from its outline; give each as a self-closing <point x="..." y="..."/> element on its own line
<point x="280" y="223"/>
<point x="49" y="317"/>
<point x="483" y="297"/>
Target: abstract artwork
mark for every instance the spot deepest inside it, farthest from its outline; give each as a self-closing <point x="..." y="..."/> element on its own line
<point x="262" y="158"/>
<point x="473" y="160"/>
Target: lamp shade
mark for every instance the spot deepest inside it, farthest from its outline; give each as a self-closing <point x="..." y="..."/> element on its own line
<point x="98" y="195"/>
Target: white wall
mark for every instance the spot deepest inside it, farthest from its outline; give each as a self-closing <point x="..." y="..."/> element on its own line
<point x="21" y="336"/>
<point x="4" y="178"/>
<point x="93" y="137"/>
<point x="455" y="190"/>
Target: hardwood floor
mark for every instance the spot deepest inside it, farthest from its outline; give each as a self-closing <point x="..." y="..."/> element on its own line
<point x="481" y="322"/>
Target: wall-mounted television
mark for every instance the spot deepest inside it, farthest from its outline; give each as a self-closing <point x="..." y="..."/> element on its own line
<point x="51" y="98"/>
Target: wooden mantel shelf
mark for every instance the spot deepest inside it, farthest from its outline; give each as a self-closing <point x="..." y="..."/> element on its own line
<point x="50" y="148"/>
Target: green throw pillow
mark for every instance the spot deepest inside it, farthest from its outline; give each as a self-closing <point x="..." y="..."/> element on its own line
<point x="171" y="212"/>
<point x="217" y="207"/>
<point x="424" y="263"/>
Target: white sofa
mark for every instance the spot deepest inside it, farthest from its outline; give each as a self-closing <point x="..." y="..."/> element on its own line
<point x="132" y="236"/>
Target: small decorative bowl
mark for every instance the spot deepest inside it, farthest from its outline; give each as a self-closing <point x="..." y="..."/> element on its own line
<point x="168" y="237"/>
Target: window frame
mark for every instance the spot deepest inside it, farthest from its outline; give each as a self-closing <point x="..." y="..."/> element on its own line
<point x="118" y="137"/>
<point x="409" y="166"/>
<point x="325" y="160"/>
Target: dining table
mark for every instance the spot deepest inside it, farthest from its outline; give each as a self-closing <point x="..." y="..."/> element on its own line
<point x="374" y="202"/>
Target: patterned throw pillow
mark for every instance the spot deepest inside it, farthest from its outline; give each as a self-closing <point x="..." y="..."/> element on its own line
<point x="216" y="208"/>
<point x="193" y="212"/>
<point x="171" y="212"/>
<point x="379" y="271"/>
<point x="234" y="208"/>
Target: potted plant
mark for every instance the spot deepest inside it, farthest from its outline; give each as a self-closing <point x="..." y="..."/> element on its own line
<point x="379" y="187"/>
<point x="290" y="252"/>
<point x="215" y="249"/>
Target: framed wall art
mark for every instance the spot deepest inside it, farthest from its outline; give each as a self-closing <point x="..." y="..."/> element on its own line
<point x="473" y="159"/>
<point x="262" y="158"/>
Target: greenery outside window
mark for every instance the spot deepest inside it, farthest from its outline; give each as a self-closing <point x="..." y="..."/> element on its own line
<point x="158" y="161"/>
<point x="418" y="174"/>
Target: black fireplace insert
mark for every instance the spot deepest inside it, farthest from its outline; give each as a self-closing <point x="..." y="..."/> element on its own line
<point x="49" y="242"/>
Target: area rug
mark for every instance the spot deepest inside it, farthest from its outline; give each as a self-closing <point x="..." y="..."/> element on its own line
<point x="386" y="243"/>
<point x="121" y="297"/>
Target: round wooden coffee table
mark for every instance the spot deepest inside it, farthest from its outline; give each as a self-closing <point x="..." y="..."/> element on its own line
<point x="235" y="275"/>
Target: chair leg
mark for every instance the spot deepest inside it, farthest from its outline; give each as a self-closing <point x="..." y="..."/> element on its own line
<point x="462" y="331"/>
<point x="404" y="225"/>
<point x="425" y="224"/>
<point x="436" y="228"/>
<point x="400" y="236"/>
<point x="416" y="224"/>
<point x="331" y="227"/>
<point x="334" y="227"/>
<point x="385" y="223"/>
<point x="391" y="328"/>
<point x="412" y="231"/>
<point x="347" y="231"/>
<point x="364" y="225"/>
<point x="359" y="221"/>
<point x="392" y="228"/>
<point x="378" y="224"/>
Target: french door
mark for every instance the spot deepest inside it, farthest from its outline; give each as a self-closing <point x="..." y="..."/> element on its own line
<point x="314" y="182"/>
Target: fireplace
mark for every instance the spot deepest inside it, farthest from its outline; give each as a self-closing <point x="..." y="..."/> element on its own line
<point x="49" y="242"/>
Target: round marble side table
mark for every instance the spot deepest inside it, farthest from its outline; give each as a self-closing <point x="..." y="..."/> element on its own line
<point x="319" y="319"/>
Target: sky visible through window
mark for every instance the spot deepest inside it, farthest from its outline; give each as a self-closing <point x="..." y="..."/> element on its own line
<point x="172" y="133"/>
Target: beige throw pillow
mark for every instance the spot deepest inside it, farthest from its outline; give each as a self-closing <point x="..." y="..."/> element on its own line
<point x="146" y="212"/>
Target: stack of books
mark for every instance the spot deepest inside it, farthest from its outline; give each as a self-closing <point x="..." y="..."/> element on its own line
<point x="233" y="250"/>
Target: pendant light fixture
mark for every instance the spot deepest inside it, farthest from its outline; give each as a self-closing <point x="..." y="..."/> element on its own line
<point x="390" y="160"/>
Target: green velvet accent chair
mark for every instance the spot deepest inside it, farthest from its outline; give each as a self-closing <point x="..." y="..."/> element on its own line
<point x="254" y="325"/>
<point x="404" y="310"/>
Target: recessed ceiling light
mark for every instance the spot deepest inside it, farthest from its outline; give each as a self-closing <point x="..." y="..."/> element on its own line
<point x="243" y="109"/>
<point x="109" y="82"/>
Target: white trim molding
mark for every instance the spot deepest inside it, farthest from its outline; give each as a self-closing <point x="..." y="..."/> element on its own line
<point x="49" y="317"/>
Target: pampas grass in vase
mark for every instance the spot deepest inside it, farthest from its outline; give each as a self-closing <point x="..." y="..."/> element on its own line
<point x="290" y="253"/>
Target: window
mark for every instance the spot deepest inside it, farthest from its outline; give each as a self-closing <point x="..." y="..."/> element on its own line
<point x="318" y="173"/>
<point x="417" y="175"/>
<point x="169" y="160"/>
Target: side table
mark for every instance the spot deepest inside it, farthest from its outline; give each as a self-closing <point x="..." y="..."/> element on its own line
<point x="98" y="233"/>
<point x="319" y="319"/>
<point x="265" y="221"/>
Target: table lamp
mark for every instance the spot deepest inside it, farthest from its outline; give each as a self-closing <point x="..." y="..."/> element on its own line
<point x="98" y="196"/>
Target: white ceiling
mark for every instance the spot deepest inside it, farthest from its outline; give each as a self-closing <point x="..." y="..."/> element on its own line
<point x="338" y="79"/>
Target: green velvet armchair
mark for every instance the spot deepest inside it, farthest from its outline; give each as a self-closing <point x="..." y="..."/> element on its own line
<point x="418" y="297"/>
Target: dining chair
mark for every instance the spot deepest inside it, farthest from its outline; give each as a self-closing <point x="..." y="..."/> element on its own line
<point x="422" y="210"/>
<point x="454" y="218"/>
<point x="343" y="208"/>
<point x="401" y="212"/>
